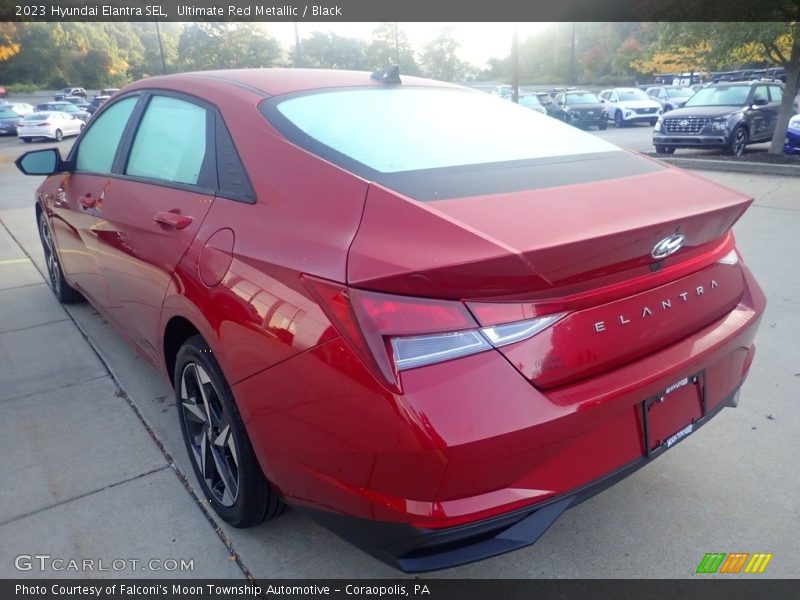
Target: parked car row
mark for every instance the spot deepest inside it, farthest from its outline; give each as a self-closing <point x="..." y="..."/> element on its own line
<point x="56" y="119"/>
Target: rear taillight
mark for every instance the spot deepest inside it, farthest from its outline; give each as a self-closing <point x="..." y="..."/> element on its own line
<point x="731" y="258"/>
<point x="394" y="333"/>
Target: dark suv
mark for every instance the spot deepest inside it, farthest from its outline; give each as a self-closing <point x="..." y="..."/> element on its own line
<point x="726" y="115"/>
<point x="580" y="108"/>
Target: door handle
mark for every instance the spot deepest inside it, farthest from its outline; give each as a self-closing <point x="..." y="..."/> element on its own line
<point x="87" y="201"/>
<point x="173" y="220"/>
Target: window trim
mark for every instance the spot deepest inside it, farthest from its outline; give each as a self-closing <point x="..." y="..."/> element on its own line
<point x="72" y="157"/>
<point x="126" y="144"/>
<point x="214" y="119"/>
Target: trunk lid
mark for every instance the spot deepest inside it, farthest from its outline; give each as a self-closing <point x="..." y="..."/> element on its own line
<point x="536" y="243"/>
<point x="583" y="248"/>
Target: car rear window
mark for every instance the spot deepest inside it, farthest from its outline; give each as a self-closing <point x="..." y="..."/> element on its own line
<point x="394" y="130"/>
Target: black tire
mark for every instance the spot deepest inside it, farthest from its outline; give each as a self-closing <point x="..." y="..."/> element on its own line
<point x="665" y="150"/>
<point x="618" y="120"/>
<point x="59" y="135"/>
<point x="63" y="291"/>
<point x="26" y="140"/>
<point x="232" y="480"/>
<point x="738" y="141"/>
<point x="602" y="126"/>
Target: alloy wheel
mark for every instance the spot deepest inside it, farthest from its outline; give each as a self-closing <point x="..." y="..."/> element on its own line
<point x="739" y="142"/>
<point x="50" y="256"/>
<point x="210" y="434"/>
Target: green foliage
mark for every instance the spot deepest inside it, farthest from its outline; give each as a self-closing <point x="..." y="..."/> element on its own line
<point x="21" y="88"/>
<point x="205" y="46"/>
<point x="440" y="58"/>
<point x="390" y="46"/>
<point x="332" y="51"/>
<point x="96" y="55"/>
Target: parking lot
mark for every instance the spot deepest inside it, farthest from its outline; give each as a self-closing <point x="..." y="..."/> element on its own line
<point x="95" y="465"/>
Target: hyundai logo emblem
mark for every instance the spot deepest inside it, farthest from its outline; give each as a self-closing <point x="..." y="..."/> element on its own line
<point x="684" y="123"/>
<point x="669" y="245"/>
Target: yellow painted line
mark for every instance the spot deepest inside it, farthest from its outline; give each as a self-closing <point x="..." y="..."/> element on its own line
<point x="14" y="261"/>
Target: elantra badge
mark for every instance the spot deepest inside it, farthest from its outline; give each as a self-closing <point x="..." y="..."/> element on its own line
<point x="669" y="245"/>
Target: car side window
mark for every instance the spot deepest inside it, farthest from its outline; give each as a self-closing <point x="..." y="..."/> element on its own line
<point x="99" y="144"/>
<point x="761" y="93"/>
<point x="776" y="92"/>
<point x="171" y="142"/>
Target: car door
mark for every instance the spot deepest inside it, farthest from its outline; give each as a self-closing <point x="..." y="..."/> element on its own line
<point x="761" y="120"/>
<point x="153" y="209"/>
<point x="559" y="106"/>
<point x="72" y="208"/>
<point x="774" y="107"/>
<point x="72" y="124"/>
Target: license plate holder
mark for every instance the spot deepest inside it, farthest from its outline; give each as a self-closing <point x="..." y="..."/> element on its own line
<point x="670" y="416"/>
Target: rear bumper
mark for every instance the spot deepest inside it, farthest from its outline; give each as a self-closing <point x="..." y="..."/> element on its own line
<point x="472" y="460"/>
<point x="414" y="550"/>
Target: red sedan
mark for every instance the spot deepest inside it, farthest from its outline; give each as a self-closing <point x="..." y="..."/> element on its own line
<point x="429" y="318"/>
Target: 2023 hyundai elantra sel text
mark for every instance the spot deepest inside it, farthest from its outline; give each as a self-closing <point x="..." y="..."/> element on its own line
<point x="431" y="319"/>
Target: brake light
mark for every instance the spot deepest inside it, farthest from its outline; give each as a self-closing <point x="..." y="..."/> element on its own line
<point x="395" y="333"/>
<point x="731" y="258"/>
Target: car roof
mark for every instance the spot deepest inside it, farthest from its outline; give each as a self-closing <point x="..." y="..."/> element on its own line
<point x="275" y="82"/>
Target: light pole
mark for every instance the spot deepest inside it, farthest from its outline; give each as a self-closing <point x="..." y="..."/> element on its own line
<point x="296" y="46"/>
<point x="572" y="57"/>
<point x="515" y="66"/>
<point x="161" y="49"/>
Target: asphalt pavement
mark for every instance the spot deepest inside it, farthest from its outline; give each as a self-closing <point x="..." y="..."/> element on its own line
<point x="94" y="465"/>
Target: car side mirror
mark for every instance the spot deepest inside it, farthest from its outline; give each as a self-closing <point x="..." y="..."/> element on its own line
<point x="759" y="101"/>
<point x="41" y="162"/>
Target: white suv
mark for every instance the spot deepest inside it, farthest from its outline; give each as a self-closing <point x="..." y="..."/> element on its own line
<point x="629" y="105"/>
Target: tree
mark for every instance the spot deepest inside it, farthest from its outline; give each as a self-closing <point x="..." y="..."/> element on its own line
<point x="778" y="43"/>
<point x="390" y="46"/>
<point x="677" y="59"/>
<point x="215" y="45"/>
<point x="440" y="58"/>
<point x="9" y="41"/>
<point x="332" y="51"/>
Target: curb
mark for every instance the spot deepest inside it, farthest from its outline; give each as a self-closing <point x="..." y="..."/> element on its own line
<point x="752" y="168"/>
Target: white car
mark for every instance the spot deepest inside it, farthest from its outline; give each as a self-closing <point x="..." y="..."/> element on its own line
<point x="629" y="105"/>
<point x="53" y="125"/>
<point x="21" y="108"/>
